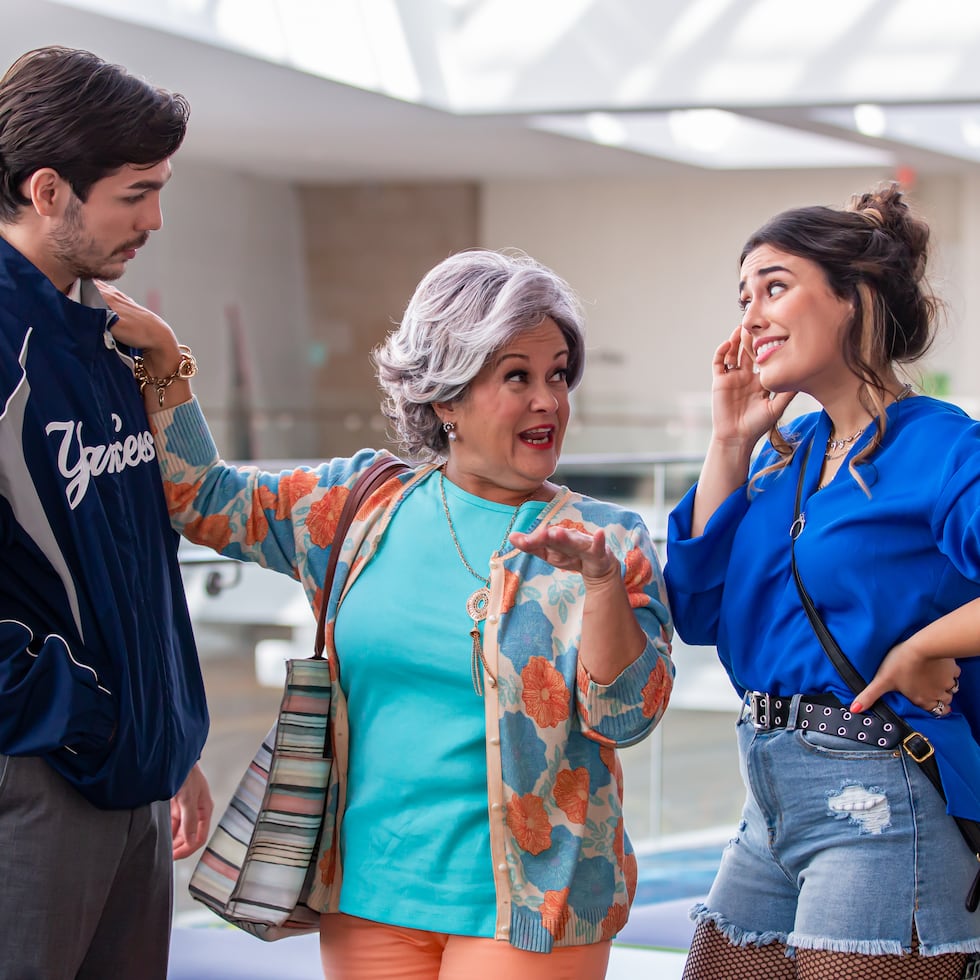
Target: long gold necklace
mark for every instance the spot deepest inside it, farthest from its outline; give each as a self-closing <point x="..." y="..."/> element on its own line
<point x="479" y="601"/>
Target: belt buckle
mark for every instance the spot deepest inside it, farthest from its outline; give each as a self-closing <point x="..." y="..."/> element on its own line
<point x="759" y="704"/>
<point x="918" y="747"/>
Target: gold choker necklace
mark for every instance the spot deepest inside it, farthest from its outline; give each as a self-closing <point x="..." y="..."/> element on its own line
<point x="479" y="601"/>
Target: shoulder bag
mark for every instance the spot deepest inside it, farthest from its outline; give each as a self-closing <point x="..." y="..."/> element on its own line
<point x="257" y="869"/>
<point x="918" y="748"/>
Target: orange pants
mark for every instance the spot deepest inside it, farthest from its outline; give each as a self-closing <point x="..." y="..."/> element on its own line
<point x="357" y="949"/>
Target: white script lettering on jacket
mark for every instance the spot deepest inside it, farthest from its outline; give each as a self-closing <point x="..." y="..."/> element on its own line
<point x="78" y="463"/>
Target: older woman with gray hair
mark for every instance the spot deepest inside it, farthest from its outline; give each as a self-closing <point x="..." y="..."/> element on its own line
<point x="497" y="638"/>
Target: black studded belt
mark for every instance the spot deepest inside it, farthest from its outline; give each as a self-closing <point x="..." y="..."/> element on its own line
<point x="818" y="713"/>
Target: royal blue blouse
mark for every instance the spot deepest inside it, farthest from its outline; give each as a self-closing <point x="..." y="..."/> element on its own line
<point x="878" y="567"/>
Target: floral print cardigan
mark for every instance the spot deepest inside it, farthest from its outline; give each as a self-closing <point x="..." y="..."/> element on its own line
<point x="564" y="869"/>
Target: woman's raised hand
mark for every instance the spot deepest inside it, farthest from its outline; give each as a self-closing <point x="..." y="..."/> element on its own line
<point x="162" y="356"/>
<point x="139" y="327"/>
<point x="742" y="411"/>
<point x="571" y="550"/>
<point x="611" y="634"/>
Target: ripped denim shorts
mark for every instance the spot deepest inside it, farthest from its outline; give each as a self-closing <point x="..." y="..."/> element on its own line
<point x="841" y="847"/>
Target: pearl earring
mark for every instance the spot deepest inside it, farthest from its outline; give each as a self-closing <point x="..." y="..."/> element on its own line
<point x="450" y="429"/>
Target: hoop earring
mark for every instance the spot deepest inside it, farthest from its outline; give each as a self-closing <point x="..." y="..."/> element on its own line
<point x="450" y="429"/>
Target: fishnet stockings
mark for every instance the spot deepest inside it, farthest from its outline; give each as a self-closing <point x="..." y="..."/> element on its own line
<point x="712" y="957"/>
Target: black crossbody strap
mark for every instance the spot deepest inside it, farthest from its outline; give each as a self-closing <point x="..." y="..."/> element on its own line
<point x="920" y="751"/>
<point x="915" y="744"/>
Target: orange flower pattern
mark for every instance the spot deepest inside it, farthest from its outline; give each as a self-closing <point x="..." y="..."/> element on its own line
<point x="565" y="883"/>
<point x="555" y="912"/>
<point x="383" y="496"/>
<point x="615" y="920"/>
<point x="213" y="531"/>
<point x="257" y="525"/>
<point x="630" y="873"/>
<point x="265" y="499"/>
<point x="529" y="823"/>
<point x="512" y="583"/>
<point x="609" y="758"/>
<point x="292" y="488"/>
<point x="179" y="496"/>
<point x="545" y="693"/>
<point x="324" y="516"/>
<point x="656" y="691"/>
<point x="639" y="574"/>
<point x="572" y="793"/>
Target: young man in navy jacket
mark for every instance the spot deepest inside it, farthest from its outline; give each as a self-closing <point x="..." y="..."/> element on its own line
<point x="102" y="708"/>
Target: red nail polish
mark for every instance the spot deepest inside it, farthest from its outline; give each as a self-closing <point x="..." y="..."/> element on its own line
<point x="857" y="707"/>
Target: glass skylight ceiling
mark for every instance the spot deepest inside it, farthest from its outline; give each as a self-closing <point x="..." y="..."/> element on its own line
<point x="953" y="130"/>
<point x="685" y="80"/>
<point x="714" y="139"/>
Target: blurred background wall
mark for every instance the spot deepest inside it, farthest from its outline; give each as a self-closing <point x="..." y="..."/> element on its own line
<point x="317" y="275"/>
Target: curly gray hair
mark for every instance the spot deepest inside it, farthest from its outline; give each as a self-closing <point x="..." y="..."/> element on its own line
<point x="462" y="312"/>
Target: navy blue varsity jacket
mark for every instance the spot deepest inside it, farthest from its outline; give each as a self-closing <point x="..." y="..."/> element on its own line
<point x="98" y="669"/>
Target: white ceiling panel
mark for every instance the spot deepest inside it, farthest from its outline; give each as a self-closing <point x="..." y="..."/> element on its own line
<point x="335" y="90"/>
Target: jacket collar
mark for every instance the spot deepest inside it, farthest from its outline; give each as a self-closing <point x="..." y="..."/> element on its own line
<point x="30" y="296"/>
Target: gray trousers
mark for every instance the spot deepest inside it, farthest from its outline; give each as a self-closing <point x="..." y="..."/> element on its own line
<point x="85" y="894"/>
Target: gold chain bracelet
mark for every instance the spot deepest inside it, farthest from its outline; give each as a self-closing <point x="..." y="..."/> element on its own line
<point x="186" y="369"/>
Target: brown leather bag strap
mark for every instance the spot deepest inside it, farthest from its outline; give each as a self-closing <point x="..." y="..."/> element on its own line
<point x="378" y="473"/>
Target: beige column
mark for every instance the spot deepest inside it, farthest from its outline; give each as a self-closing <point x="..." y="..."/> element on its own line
<point x="367" y="246"/>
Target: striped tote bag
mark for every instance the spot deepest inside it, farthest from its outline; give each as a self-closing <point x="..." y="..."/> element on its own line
<point x="259" y="865"/>
<point x="256" y="869"/>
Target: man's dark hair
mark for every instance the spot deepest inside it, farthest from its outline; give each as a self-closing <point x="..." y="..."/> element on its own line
<point x="71" y="111"/>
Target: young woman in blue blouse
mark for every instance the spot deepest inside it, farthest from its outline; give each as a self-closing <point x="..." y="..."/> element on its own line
<point x="846" y="861"/>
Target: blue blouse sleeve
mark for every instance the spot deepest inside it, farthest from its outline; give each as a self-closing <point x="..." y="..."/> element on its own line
<point x="696" y="567"/>
<point x="956" y="516"/>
